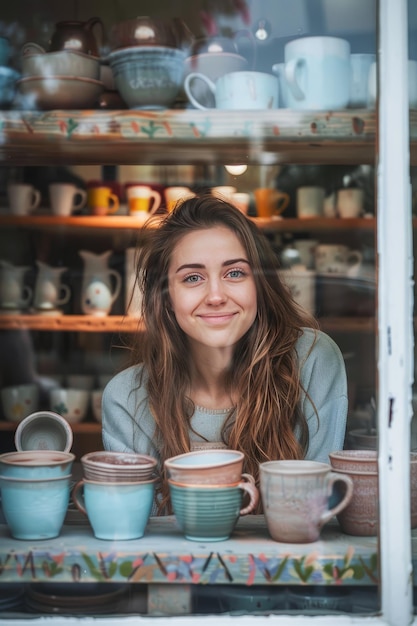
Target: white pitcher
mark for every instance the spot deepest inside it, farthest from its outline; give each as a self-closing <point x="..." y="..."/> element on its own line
<point x="14" y="294"/>
<point x="100" y="286"/>
<point x="49" y="292"/>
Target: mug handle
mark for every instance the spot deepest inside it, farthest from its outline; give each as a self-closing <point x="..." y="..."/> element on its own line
<point x="117" y="284"/>
<point x="36" y="200"/>
<point x="155" y="197"/>
<point x="283" y="200"/>
<point x="290" y="70"/>
<point x="114" y="200"/>
<point x="26" y="295"/>
<point x="83" y="199"/>
<point x="248" y="485"/>
<point x="334" y="477"/>
<point x="78" y="498"/>
<point x="187" y="87"/>
<point x="354" y="260"/>
<point x="65" y="294"/>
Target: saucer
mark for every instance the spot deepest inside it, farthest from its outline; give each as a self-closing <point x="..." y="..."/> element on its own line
<point x="58" y="92"/>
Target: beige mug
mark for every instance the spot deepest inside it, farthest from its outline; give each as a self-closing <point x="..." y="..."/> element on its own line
<point x="23" y="198"/>
<point x="174" y="195"/>
<point x="66" y="198"/>
<point x="270" y="202"/>
<point x="296" y="497"/>
<point x="350" y="202"/>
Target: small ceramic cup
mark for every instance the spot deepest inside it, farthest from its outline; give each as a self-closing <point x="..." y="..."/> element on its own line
<point x="206" y="467"/>
<point x="44" y="430"/>
<point x="116" y="511"/>
<point x="36" y="464"/>
<point x="210" y="512"/>
<point x="296" y="498"/>
<point x="71" y="403"/>
<point x="19" y="401"/>
<point x="35" y="508"/>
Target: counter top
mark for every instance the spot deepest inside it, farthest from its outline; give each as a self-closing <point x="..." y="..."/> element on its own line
<point x="163" y="555"/>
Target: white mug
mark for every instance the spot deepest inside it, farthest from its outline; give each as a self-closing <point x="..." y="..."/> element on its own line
<point x="317" y="71"/>
<point x="305" y="249"/>
<point x="173" y="195"/>
<point x="350" y="202"/>
<point x="142" y="200"/>
<point x="224" y="192"/>
<point x="23" y="198"/>
<point x="241" y="201"/>
<point x="66" y="198"/>
<point x="238" y="90"/>
<point x="337" y="259"/>
<point x="360" y="65"/>
<point x="310" y="202"/>
<point x="279" y="70"/>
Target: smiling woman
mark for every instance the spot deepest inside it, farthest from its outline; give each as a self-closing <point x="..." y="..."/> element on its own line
<point x="228" y="358"/>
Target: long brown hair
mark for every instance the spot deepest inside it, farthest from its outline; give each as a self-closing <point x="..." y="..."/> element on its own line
<point x="263" y="374"/>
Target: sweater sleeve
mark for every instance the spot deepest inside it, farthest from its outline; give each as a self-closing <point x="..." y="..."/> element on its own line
<point x="323" y="377"/>
<point x="127" y="424"/>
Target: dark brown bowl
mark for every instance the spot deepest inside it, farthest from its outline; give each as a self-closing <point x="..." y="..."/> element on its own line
<point x="142" y="31"/>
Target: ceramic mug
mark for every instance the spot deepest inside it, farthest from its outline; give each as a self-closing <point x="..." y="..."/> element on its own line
<point x="241" y="201"/>
<point x="210" y="512"/>
<point x="296" y="498"/>
<point x="66" y="198"/>
<point x="174" y="195"/>
<point x="349" y="202"/>
<point x="70" y="403"/>
<point x="102" y="201"/>
<point x="44" y="430"/>
<point x="317" y="72"/>
<point x="224" y="192"/>
<point x="23" y="198"/>
<point x="238" y="90"/>
<point x="270" y="202"/>
<point x="19" y="401"/>
<point x="142" y="200"/>
<point x="360" y="65"/>
<point x="305" y="249"/>
<point x="310" y="202"/>
<point x="35" y="508"/>
<point x="206" y="467"/>
<point x="334" y="258"/>
<point x="115" y="510"/>
<point x="302" y="285"/>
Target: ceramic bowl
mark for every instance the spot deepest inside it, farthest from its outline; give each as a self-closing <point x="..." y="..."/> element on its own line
<point x="71" y="403"/>
<point x="104" y="465"/>
<point x="35" y="508"/>
<point x="58" y="92"/>
<point x="61" y="63"/>
<point x="44" y="430"/>
<point x="204" y="467"/>
<point x="142" y="31"/>
<point x="148" y="77"/>
<point x="18" y="401"/>
<point x="251" y="598"/>
<point x="363" y="439"/>
<point x="8" y="80"/>
<point x="36" y="464"/>
<point x="354" y="460"/>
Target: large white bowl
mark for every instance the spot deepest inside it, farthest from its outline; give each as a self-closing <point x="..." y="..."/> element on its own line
<point x="61" y="63"/>
<point x="148" y="77"/>
<point x="58" y="92"/>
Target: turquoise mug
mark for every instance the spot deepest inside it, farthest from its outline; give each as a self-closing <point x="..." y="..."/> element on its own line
<point x="35" y="508"/>
<point x="115" y="510"/>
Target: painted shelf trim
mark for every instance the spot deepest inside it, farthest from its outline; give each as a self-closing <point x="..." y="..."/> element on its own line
<point x="163" y="555"/>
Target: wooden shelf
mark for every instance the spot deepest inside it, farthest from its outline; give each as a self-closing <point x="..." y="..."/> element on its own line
<point x="126" y="222"/>
<point x="125" y="324"/>
<point x="188" y="136"/>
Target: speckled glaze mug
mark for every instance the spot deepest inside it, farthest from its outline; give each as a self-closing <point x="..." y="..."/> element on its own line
<point x="296" y="498"/>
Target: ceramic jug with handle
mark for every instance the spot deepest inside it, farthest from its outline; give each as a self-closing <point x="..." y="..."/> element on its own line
<point x="14" y="294"/>
<point x="49" y="292"/>
<point x="100" y="285"/>
<point x="76" y="35"/>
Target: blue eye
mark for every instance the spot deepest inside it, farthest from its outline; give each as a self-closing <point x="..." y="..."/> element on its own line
<point x="192" y="278"/>
<point x="236" y="273"/>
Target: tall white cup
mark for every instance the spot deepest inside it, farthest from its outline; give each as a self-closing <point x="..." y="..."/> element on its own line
<point x="66" y="198"/>
<point x="317" y="71"/>
<point x="23" y="198"/>
<point x="310" y="202"/>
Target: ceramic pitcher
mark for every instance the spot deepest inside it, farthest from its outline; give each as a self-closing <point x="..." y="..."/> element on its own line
<point x="14" y="294"/>
<point x="49" y="292"/>
<point x="100" y="285"/>
<point x="76" y="35"/>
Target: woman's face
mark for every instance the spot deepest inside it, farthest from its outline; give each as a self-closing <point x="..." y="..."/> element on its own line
<point x="212" y="288"/>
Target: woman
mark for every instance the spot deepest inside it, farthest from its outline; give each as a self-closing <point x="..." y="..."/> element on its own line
<point x="228" y="358"/>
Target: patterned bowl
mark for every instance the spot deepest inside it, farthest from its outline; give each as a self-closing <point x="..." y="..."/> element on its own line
<point x="106" y="466"/>
<point x="148" y="77"/>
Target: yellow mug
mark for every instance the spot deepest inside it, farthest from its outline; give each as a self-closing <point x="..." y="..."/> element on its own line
<point x="102" y="201"/>
<point x="270" y="202"/>
<point x="142" y="199"/>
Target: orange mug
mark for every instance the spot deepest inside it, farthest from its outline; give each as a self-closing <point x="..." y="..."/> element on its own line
<point x="142" y="200"/>
<point x="270" y="202"/>
<point x="102" y="201"/>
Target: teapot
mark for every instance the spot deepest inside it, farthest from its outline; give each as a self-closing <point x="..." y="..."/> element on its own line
<point x="13" y="293"/>
<point x="100" y="285"/>
<point x="49" y="293"/>
<point x="227" y="45"/>
<point x="76" y="35"/>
